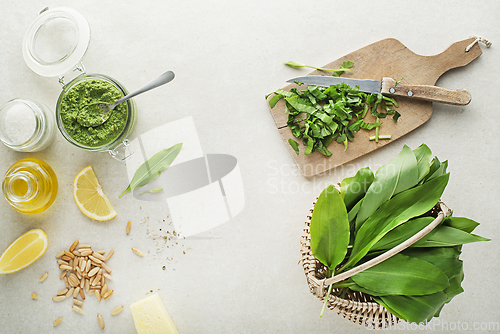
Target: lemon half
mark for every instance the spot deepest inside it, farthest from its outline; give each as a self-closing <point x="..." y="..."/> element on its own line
<point x="25" y="250"/>
<point x="89" y="196"/>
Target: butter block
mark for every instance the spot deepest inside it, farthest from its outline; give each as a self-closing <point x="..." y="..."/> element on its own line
<point x="150" y="316"/>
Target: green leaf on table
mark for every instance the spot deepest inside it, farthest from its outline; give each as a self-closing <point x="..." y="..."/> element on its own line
<point x="399" y="209"/>
<point x="414" y="308"/>
<point x="402" y="275"/>
<point x="329" y="228"/>
<point x="398" y="175"/>
<point x="153" y="167"/>
<point x="423" y="155"/>
<point x="352" y="189"/>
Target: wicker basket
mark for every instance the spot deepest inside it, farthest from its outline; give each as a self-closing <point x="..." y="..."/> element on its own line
<point x="357" y="307"/>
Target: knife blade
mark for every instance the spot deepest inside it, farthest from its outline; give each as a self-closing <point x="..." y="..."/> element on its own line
<point x="389" y="86"/>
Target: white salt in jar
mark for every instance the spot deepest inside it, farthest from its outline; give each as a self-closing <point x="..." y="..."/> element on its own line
<point x="26" y="125"/>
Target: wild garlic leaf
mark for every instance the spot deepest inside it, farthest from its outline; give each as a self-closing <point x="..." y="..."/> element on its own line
<point x="401" y="233"/>
<point x="446" y="261"/>
<point x="414" y="308"/>
<point x="329" y="228"/>
<point x="423" y="155"/>
<point x="461" y="223"/>
<point x="399" y="209"/>
<point x="443" y="166"/>
<point x="354" y="188"/>
<point x="399" y="174"/>
<point x="455" y="288"/>
<point x="403" y="275"/>
<point x="447" y="236"/>
<point x="153" y="167"/>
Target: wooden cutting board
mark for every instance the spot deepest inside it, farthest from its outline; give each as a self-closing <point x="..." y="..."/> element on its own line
<point x="385" y="58"/>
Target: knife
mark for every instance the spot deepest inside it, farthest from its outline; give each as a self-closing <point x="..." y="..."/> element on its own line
<point x="391" y="87"/>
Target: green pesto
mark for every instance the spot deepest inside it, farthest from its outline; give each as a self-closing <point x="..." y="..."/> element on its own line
<point x="82" y="117"/>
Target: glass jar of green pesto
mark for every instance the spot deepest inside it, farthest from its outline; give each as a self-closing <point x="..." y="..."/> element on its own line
<point x="79" y="120"/>
<point x="54" y="46"/>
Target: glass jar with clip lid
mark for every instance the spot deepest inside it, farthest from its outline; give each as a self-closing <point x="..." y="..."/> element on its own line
<point x="54" y="46"/>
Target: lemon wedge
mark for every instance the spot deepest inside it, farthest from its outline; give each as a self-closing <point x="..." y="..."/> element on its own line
<point x="25" y="250"/>
<point x="89" y="196"/>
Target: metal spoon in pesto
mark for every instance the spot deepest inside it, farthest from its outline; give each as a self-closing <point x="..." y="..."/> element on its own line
<point x="106" y="108"/>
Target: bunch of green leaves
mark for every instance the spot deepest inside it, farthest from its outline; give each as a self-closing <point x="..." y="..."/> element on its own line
<point x="320" y="115"/>
<point x="373" y="213"/>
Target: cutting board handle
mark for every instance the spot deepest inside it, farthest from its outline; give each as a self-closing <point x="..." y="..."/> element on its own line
<point x="454" y="56"/>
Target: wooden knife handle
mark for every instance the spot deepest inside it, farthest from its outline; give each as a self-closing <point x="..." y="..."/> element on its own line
<point x="424" y="92"/>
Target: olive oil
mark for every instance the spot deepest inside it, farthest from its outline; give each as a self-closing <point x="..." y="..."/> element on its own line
<point x="30" y="186"/>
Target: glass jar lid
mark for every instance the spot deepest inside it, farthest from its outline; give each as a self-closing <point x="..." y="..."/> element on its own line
<point x="56" y="42"/>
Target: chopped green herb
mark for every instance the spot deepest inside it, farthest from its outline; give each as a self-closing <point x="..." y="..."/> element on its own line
<point x="346" y="67"/>
<point x="152" y="191"/>
<point x="320" y="115"/>
<point x="381" y="137"/>
<point x="294" y="145"/>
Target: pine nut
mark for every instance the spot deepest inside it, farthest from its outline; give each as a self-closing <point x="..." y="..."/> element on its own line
<point x="93" y="272"/>
<point x="70" y="292"/>
<point x="96" y="260"/>
<point x="69" y="254"/>
<point x="111" y="252"/>
<point x="108" y="294"/>
<point x="57" y="322"/>
<point x="73" y="245"/>
<point x="101" y="321"/>
<point x="105" y="266"/>
<point x="77" y="309"/>
<point x="98" y="256"/>
<point x="86" y="252"/>
<point x="117" y="310"/>
<point x="62" y="292"/>
<point x="44" y="276"/>
<point x="138" y="252"/>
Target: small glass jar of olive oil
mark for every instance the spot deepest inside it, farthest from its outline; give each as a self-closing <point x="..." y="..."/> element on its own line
<point x="30" y="186"/>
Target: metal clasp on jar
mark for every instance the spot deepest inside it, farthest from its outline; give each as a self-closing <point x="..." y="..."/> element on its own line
<point x="79" y="67"/>
<point x="124" y="146"/>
